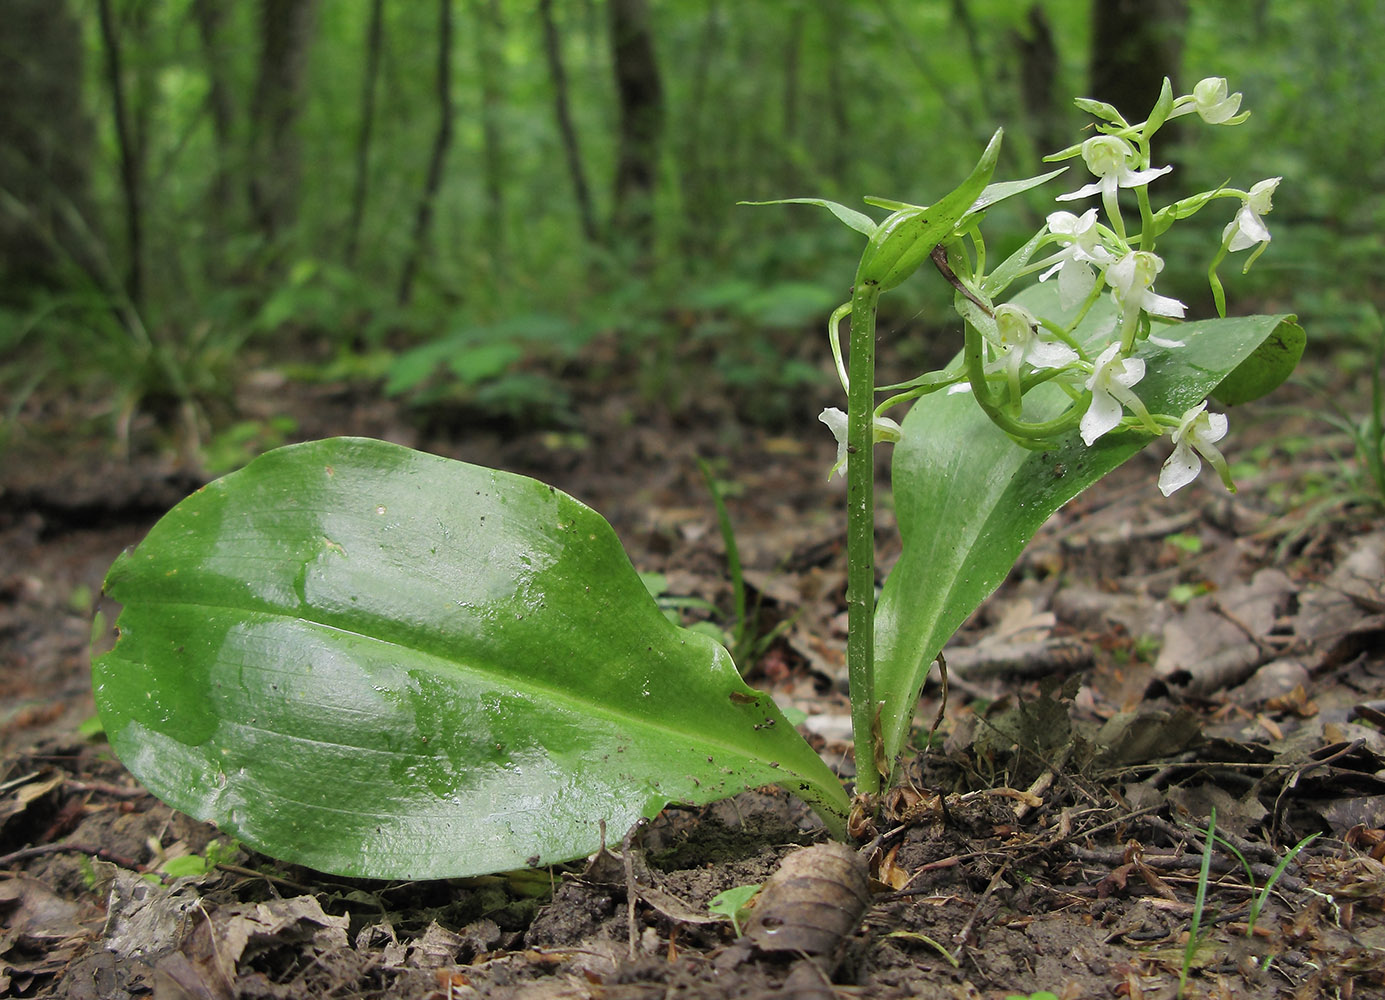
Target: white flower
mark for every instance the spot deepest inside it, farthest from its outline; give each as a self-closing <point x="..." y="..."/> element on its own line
<point x="883" y="429"/>
<point x="1132" y="282"/>
<point x="1196" y="433"/>
<point x="1247" y="229"/>
<point x="1109" y="385"/>
<point x="1212" y="103"/>
<point x="1108" y="157"/>
<point x="1021" y="343"/>
<point x="1073" y="263"/>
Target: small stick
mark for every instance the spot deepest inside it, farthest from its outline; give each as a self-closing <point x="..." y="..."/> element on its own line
<point x="38" y="851"/>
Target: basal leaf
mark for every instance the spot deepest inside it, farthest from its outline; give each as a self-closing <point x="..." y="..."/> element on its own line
<point x="968" y="498"/>
<point x="1266" y="368"/>
<point x="382" y="663"/>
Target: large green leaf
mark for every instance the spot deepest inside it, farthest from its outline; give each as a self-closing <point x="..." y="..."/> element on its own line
<point x="377" y="662"/>
<point x="968" y="498"/>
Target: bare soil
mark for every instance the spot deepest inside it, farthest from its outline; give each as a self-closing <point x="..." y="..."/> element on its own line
<point x="1148" y="661"/>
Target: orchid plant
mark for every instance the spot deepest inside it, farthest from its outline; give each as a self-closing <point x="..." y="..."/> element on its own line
<point x="378" y="662"/>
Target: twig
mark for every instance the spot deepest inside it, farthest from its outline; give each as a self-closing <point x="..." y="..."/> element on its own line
<point x="39" y="850"/>
<point x="1181" y="862"/>
<point x="961" y="936"/>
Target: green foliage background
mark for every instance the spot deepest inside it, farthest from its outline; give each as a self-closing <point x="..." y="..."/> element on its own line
<point x="774" y="98"/>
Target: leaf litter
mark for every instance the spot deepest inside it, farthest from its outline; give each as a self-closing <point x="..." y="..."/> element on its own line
<point x="1146" y="663"/>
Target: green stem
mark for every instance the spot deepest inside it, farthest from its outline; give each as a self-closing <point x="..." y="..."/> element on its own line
<point x="994" y="409"/>
<point x="860" y="536"/>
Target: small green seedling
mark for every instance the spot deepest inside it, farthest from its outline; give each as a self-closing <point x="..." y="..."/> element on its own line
<point x="1196" y="934"/>
<point x="376" y="662"/>
<point x="734" y="904"/>
<point x="218" y="852"/>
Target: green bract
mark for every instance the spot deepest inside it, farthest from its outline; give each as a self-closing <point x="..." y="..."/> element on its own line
<point x="378" y="662"/>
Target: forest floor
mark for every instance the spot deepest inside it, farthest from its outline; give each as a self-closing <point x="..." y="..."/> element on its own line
<point x="1147" y="661"/>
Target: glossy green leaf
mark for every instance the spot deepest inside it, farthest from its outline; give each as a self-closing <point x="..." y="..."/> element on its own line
<point x="968" y="498"/>
<point x="378" y="662"/>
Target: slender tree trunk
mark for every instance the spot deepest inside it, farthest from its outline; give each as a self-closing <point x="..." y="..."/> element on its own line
<point x="567" y="130"/>
<point x="697" y="172"/>
<point x="793" y="49"/>
<point x="286" y="29"/>
<point x="131" y="165"/>
<point x="375" y="33"/>
<point x="1038" y="71"/>
<point x="442" y="139"/>
<point x="641" y="95"/>
<point x="962" y="14"/>
<point x="916" y="51"/>
<point x="210" y="16"/>
<point x="1135" y="44"/>
<point x="489" y="37"/>
<point x="45" y="149"/>
<point x="838" y="27"/>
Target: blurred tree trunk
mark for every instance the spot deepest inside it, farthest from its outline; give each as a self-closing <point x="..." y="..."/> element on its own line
<point x="793" y="50"/>
<point x="642" y="113"/>
<point x="698" y="178"/>
<point x="45" y="148"/>
<point x="1135" y="44"/>
<point x="374" y="42"/>
<point x="572" y="152"/>
<point x="211" y="28"/>
<point x="961" y="13"/>
<point x="490" y="58"/>
<point x="1038" y="72"/>
<point x="131" y="148"/>
<point x="442" y="139"/>
<point x="838" y="31"/>
<point x="286" y="31"/>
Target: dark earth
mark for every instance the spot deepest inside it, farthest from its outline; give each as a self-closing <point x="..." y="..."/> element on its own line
<point x="1148" y="661"/>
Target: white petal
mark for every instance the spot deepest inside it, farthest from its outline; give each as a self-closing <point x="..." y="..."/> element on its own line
<point x="1131" y="371"/>
<point x="1103" y="415"/>
<point x="1134" y="178"/>
<point x="1249" y="230"/>
<point x="835" y="420"/>
<point x="1162" y="305"/>
<point x="1121" y="275"/>
<point x="1064" y="223"/>
<point x="1212" y="431"/>
<point x="1049" y="354"/>
<point x="1083" y="192"/>
<point x="1075" y="282"/>
<point x="885" y="429"/>
<point x="1181" y="469"/>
